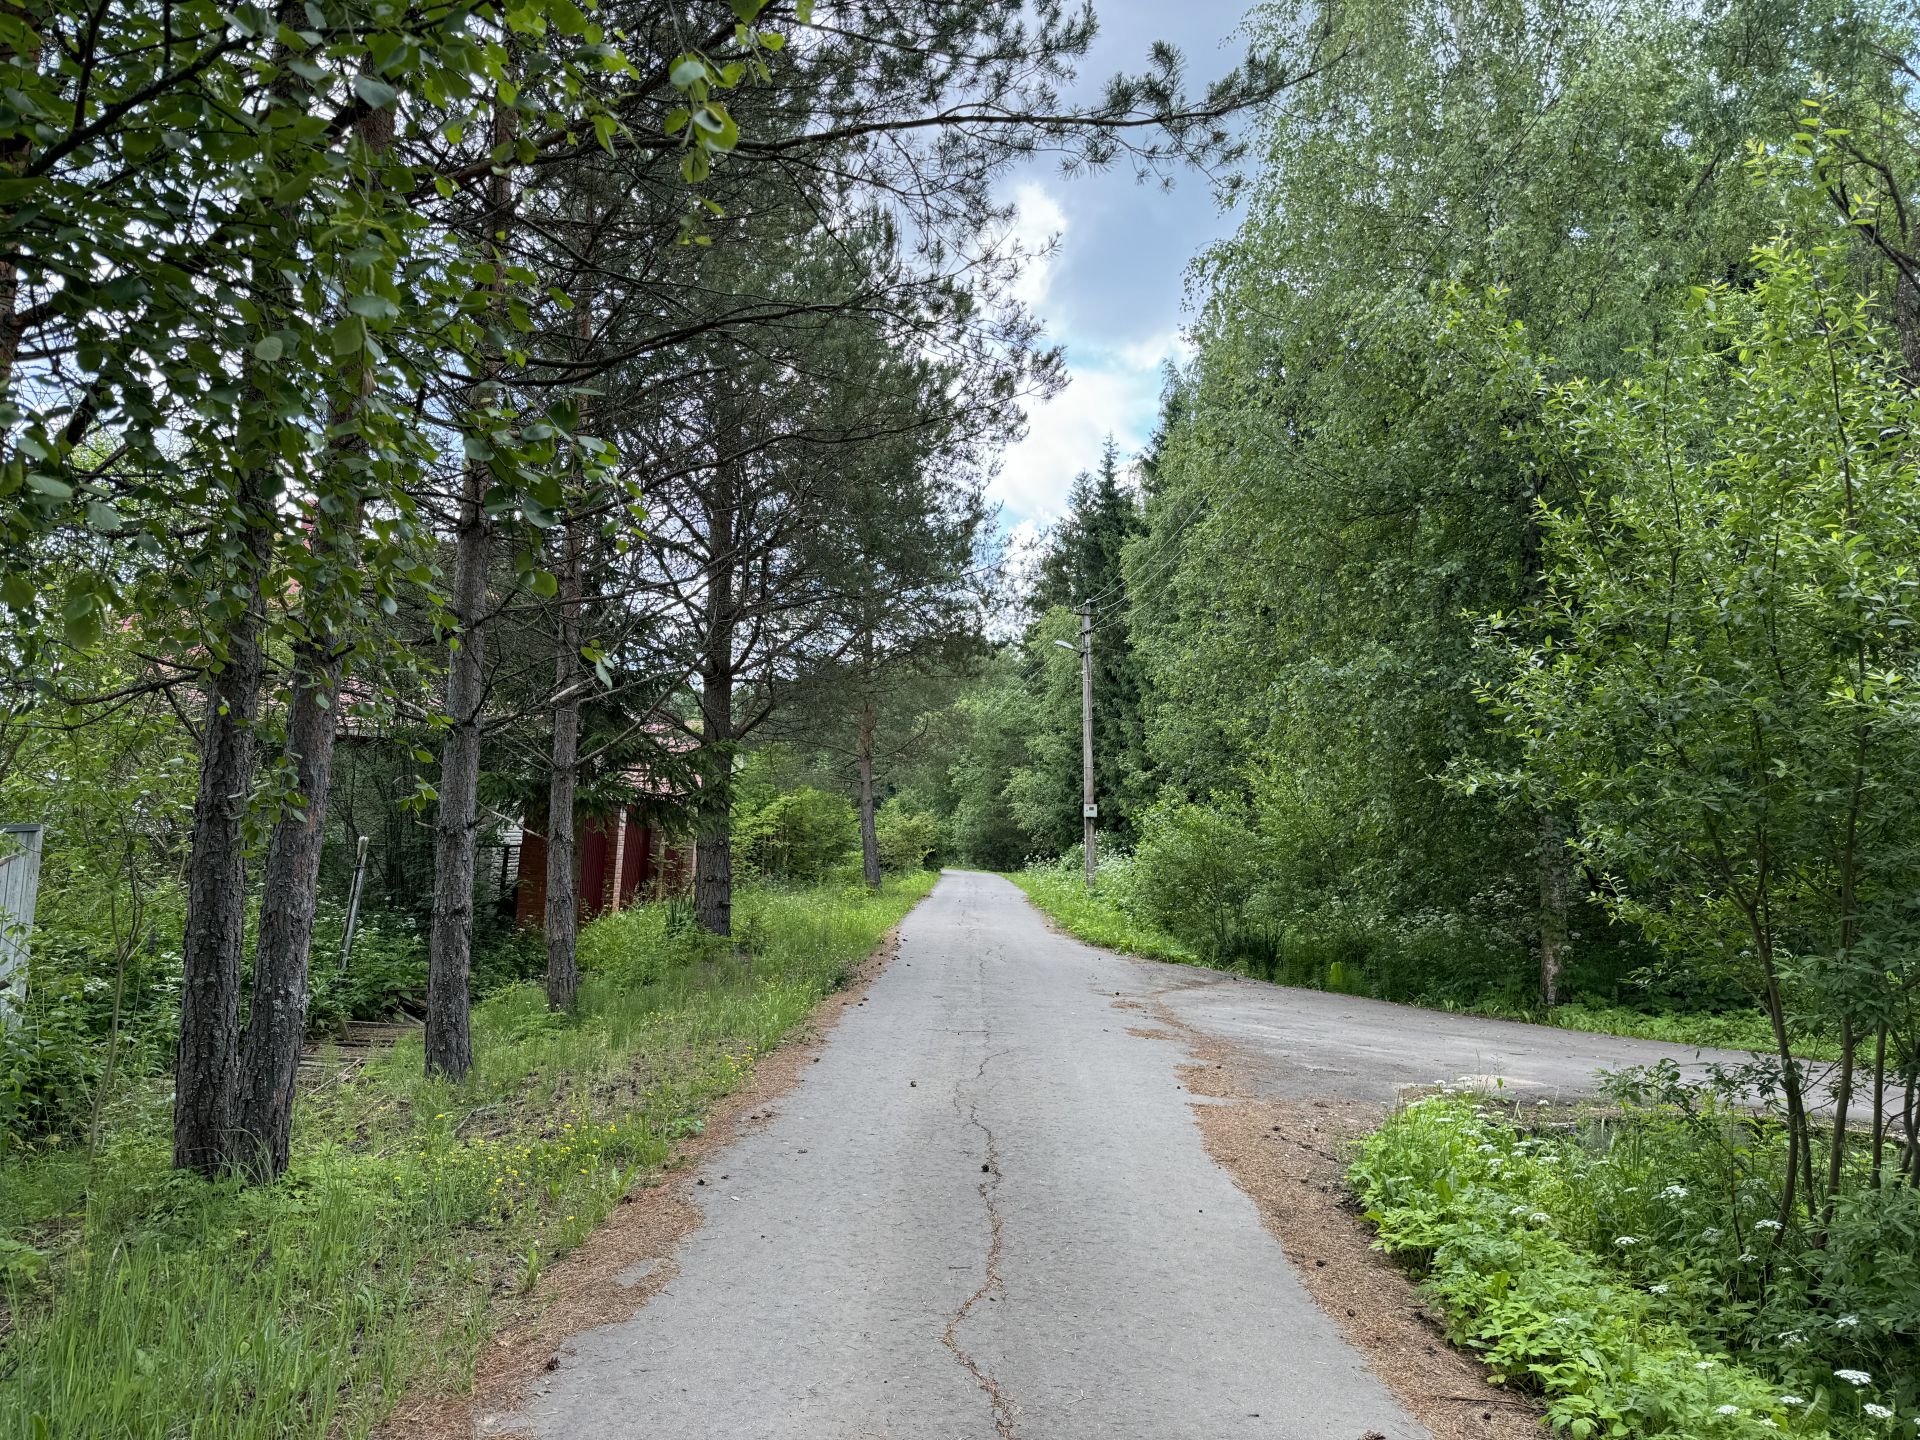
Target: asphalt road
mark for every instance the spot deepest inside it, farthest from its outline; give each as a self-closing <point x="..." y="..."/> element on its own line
<point x="986" y="1212"/>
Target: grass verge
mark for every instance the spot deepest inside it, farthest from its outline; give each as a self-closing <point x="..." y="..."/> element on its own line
<point x="149" y="1303"/>
<point x="1615" y="1267"/>
<point x="1095" y="918"/>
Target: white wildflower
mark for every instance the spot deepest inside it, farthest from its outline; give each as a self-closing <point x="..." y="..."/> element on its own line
<point x="1625" y="1241"/>
<point x="1539" y="1217"/>
<point x="1674" y="1192"/>
<point x="1728" y="1410"/>
<point x="1703" y="1364"/>
<point x="1855" y="1378"/>
<point x="1878" y="1412"/>
<point x="1659" y="1289"/>
<point x="1848" y="1322"/>
<point x="1747" y="1257"/>
<point x="1793" y="1400"/>
<point x="1768" y="1225"/>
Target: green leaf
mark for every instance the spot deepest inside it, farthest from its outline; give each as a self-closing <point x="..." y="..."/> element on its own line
<point x="103" y="517"/>
<point x="47" y="485"/>
<point x="372" y="306"/>
<point x="687" y="71"/>
<point x="349" y="336"/>
<point x="376" y="93"/>
<point x="544" y="584"/>
<point x="269" y="348"/>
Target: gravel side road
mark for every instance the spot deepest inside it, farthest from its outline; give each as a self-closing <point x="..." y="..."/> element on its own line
<point x="987" y="1212"/>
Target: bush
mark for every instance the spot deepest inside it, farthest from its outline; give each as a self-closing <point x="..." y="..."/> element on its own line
<point x="908" y="838"/>
<point x="1194" y="871"/>
<point x="386" y="975"/>
<point x="797" y="836"/>
<point x="1614" y="1265"/>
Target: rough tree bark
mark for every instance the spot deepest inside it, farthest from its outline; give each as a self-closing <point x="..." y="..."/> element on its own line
<point x="449" y="1038"/>
<point x="205" y="1063"/>
<point x="262" y="1111"/>
<point x="563" y="913"/>
<point x="869" y="833"/>
<point x="713" y="808"/>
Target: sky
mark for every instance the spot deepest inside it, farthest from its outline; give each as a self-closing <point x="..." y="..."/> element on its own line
<point x="1112" y="290"/>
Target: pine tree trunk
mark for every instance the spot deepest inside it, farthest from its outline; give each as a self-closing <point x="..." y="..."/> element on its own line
<point x="277" y="1017"/>
<point x="563" y="912"/>
<point x="713" y="810"/>
<point x="1555" y="882"/>
<point x="449" y="1039"/>
<point x="205" y="1062"/>
<point x="869" y="834"/>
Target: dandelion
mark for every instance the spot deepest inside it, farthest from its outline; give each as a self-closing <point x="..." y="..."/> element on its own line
<point x="1855" y="1378"/>
<point x="1878" y="1412"/>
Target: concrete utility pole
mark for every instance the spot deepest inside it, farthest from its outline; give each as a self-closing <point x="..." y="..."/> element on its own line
<point x="1089" y="811"/>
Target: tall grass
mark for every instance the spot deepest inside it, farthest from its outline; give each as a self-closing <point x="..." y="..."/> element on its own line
<point x="1097" y="918"/>
<point x="149" y="1303"/>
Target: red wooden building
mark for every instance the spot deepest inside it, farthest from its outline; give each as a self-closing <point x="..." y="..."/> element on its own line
<point x="648" y="862"/>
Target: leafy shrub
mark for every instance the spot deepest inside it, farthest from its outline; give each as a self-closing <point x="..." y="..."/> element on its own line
<point x="386" y="974"/>
<point x="908" y="838"/>
<point x="796" y="836"/>
<point x="1615" y="1266"/>
<point x="50" y="1062"/>
<point x="1194" y="870"/>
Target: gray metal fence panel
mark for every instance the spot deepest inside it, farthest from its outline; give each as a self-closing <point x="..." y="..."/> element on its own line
<point x="19" y="885"/>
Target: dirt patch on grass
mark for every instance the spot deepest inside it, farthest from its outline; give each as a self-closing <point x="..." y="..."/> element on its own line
<point x="628" y="1260"/>
<point x="1290" y="1158"/>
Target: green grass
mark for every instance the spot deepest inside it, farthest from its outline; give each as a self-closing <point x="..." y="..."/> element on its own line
<point x="148" y="1303"/>
<point x="1096" y="918"/>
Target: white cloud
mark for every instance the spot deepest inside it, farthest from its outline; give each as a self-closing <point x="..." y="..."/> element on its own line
<point x="1111" y="391"/>
<point x="1038" y="227"/>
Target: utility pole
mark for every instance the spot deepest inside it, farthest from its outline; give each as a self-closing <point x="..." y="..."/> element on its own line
<point x="1089" y="811"/>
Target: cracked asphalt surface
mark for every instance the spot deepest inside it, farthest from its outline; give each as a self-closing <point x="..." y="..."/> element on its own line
<point x="987" y="1212"/>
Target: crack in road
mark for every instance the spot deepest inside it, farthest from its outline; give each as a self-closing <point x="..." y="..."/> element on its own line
<point x="1005" y="1411"/>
